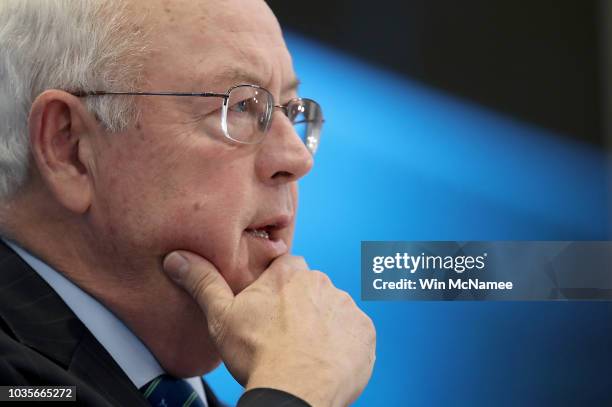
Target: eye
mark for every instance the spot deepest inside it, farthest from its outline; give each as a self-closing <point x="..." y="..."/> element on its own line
<point x="296" y="111"/>
<point x="242" y="106"/>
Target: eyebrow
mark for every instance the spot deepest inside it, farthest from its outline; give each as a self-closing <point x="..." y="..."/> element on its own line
<point x="237" y="76"/>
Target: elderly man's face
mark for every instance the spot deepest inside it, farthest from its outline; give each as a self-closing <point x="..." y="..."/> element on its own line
<point x="173" y="181"/>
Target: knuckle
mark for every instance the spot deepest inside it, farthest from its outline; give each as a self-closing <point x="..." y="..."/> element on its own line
<point x="369" y="323"/>
<point x="345" y="298"/>
<point x="295" y="263"/>
<point x="288" y="262"/>
<point x="373" y="333"/>
<point x="370" y="328"/>
<point x="280" y="261"/>
<point x="321" y="277"/>
<point x="300" y="262"/>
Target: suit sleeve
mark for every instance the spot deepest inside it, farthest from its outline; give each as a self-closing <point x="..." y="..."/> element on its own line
<point x="265" y="397"/>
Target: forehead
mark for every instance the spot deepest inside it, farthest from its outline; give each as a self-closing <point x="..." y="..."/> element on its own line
<point x="213" y="44"/>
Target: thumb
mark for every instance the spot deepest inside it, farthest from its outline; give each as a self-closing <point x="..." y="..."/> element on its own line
<point x="201" y="280"/>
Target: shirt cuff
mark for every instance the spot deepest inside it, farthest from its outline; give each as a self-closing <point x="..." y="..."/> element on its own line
<point x="265" y="397"/>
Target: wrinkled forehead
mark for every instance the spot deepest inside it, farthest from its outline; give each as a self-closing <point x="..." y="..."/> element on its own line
<point x="214" y="44"/>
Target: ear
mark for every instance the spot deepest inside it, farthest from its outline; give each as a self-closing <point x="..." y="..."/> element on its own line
<point x="59" y="127"/>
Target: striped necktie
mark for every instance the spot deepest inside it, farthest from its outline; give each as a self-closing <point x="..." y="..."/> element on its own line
<point x="168" y="391"/>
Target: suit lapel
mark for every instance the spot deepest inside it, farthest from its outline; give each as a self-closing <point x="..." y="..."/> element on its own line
<point x="34" y="312"/>
<point x="107" y="377"/>
<point x="41" y="320"/>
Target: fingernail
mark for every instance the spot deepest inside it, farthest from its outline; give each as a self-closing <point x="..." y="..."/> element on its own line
<point x="176" y="266"/>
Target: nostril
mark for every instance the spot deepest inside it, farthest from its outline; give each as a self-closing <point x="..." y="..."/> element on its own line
<point x="282" y="174"/>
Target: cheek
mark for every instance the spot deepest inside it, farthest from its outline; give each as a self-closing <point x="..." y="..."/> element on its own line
<point x="198" y="200"/>
<point x="118" y="213"/>
<point x="202" y="225"/>
<point x="216" y="235"/>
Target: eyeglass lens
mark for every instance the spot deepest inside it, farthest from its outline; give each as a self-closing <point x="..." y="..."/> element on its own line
<point x="306" y="116"/>
<point x="249" y="114"/>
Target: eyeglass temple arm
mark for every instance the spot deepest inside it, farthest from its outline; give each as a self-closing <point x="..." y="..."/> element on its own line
<point x="102" y="93"/>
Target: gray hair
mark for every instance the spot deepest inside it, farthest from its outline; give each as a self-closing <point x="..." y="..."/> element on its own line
<point x="74" y="45"/>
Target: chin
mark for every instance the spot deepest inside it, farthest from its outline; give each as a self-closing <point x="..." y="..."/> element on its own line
<point x="202" y="359"/>
<point x="183" y="346"/>
<point x="242" y="267"/>
<point x="242" y="277"/>
<point x="192" y="368"/>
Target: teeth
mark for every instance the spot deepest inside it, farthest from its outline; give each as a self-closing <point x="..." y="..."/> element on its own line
<point x="259" y="233"/>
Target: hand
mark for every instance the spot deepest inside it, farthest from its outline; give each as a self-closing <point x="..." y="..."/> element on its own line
<point x="291" y="329"/>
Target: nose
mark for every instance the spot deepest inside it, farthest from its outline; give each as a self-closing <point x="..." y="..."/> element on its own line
<point x="283" y="157"/>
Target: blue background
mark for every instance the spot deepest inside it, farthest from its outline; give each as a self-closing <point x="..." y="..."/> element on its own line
<point x="401" y="161"/>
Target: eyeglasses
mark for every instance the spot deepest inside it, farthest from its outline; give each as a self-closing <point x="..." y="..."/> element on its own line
<point x="246" y="114"/>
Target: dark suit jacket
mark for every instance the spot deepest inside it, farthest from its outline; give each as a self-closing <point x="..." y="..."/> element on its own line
<point x="42" y="342"/>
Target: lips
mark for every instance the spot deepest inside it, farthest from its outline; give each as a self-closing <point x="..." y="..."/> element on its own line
<point x="268" y="234"/>
<point x="270" y="228"/>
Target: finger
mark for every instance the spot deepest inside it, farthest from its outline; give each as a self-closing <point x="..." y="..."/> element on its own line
<point x="287" y="263"/>
<point x="201" y="280"/>
<point x="282" y="270"/>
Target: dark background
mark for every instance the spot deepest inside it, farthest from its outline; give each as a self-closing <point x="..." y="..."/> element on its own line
<point x="514" y="154"/>
<point x="537" y="61"/>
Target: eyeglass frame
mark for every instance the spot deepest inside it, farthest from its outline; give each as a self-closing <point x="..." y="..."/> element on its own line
<point x="226" y="97"/>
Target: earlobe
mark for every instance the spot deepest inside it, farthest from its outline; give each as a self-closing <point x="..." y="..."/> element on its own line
<point x="57" y="127"/>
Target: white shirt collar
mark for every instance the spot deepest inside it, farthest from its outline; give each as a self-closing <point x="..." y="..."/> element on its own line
<point x="125" y="348"/>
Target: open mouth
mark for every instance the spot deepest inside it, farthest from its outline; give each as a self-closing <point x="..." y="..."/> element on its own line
<point x="270" y="229"/>
<point x="268" y="232"/>
<point x="269" y="237"/>
<point x="260" y="233"/>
